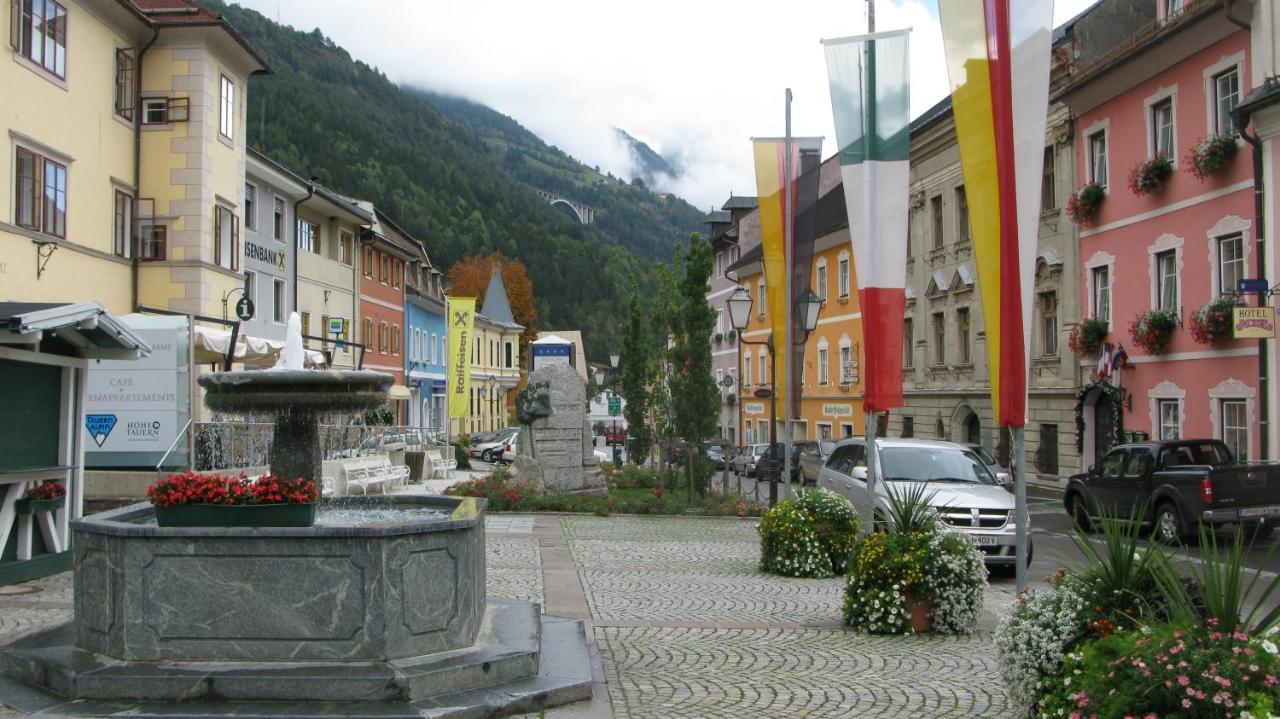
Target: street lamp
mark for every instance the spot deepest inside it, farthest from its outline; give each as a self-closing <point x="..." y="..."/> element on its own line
<point x="617" y="446"/>
<point x="488" y="392"/>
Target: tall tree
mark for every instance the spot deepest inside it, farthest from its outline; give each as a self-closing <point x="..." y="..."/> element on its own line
<point x="660" y="332"/>
<point x="636" y="375"/>
<point x="695" y="398"/>
<point x="469" y="277"/>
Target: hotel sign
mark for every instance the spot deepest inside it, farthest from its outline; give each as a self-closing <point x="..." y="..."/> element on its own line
<point x="1253" y="323"/>
<point x="754" y="407"/>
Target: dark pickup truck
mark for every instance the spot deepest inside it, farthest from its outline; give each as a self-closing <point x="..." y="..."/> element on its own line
<point x="1177" y="485"/>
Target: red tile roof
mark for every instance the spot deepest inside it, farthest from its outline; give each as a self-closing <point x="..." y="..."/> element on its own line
<point x="175" y="12"/>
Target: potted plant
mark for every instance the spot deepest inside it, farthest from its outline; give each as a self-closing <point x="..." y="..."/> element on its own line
<point x="1149" y="176"/>
<point x="1153" y="330"/>
<point x="1212" y="323"/>
<point x="192" y="499"/>
<point x="47" y="496"/>
<point x="719" y="337"/>
<point x="733" y="335"/>
<point x="1087" y="336"/>
<point x="1213" y="156"/>
<point x="1082" y="207"/>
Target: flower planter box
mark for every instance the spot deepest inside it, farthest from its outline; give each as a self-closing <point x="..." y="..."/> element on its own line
<point x="921" y="621"/>
<point x="31" y="506"/>
<point x="237" y="515"/>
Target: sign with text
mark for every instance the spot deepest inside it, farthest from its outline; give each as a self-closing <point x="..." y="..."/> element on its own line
<point x="837" y="410"/>
<point x="849" y="373"/>
<point x="1253" y="323"/>
<point x="462" y="318"/>
<point x="615" y="405"/>
<point x="754" y="407"/>
<point x="1253" y="285"/>
<point x="336" y="325"/>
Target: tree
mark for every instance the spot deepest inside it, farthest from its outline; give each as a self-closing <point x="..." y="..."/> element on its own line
<point x="469" y="277"/>
<point x="636" y="376"/>
<point x="662" y="430"/>
<point x="695" y="398"/>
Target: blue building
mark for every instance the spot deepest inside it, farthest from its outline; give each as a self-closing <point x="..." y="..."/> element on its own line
<point x="426" y="344"/>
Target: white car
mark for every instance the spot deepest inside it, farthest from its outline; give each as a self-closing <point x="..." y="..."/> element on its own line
<point x="490" y="450"/>
<point x="964" y="491"/>
<point x="508" y="453"/>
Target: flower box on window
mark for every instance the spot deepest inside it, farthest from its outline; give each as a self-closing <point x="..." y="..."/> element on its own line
<point x="1213" y="156"/>
<point x="1082" y="207"/>
<point x="1147" y="177"/>
<point x="1087" y="336"/>
<point x="1152" y="331"/>
<point x="1212" y="323"/>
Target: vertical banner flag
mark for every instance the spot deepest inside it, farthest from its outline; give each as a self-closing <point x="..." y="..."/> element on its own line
<point x="998" y="62"/>
<point x="871" y="100"/>
<point x="462" y="319"/>
<point x="771" y="170"/>
<point x="802" y="240"/>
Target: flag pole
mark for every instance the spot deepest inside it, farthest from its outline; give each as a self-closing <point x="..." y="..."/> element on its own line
<point x="788" y="232"/>
<point x="872" y="420"/>
<point x="1022" y="517"/>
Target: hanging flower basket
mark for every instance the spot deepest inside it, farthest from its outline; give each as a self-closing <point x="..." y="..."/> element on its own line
<point x="719" y="337"/>
<point x="1152" y="331"/>
<point x="1087" y="336"/>
<point x="1082" y="207"/>
<point x="1212" y="323"/>
<point x="1213" y="156"/>
<point x="213" y="500"/>
<point x="1147" y="177"/>
<point x="47" y="496"/>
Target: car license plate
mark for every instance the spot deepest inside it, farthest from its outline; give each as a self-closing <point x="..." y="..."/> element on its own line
<point x="985" y="540"/>
<point x="1255" y="511"/>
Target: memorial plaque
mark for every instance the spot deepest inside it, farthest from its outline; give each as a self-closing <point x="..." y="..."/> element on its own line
<point x="555" y="449"/>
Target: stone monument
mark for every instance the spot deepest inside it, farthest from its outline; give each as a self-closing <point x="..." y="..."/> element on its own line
<point x="554" y="449"/>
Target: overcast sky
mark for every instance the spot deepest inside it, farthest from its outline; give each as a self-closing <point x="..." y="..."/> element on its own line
<point x="694" y="79"/>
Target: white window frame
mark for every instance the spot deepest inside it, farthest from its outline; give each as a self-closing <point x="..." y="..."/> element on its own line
<point x="226" y="107"/>
<point x="1223" y="228"/>
<point x="820" y="278"/>
<point x="843" y="265"/>
<point x="764" y="368"/>
<point x="824" y="363"/>
<point x="763" y="298"/>
<point x="1224" y="64"/>
<point x="746" y="368"/>
<point x="280" y="296"/>
<point x="1164" y="243"/>
<point x="1233" y="390"/>
<point x="846" y="348"/>
<point x="1166" y="391"/>
<point x="1148" y="110"/>
<point x="1102" y="126"/>
<point x="1101" y="260"/>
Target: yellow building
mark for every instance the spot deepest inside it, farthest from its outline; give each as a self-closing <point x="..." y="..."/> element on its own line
<point x="495" y="364"/>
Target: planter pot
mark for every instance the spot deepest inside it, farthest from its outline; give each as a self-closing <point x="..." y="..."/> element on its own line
<point x="31" y="506"/>
<point x="237" y="515"/>
<point x="921" y="621"/>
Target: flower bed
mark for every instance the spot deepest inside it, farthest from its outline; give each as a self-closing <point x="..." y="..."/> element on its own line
<point x="1213" y="322"/>
<point x="1213" y="156"/>
<point x="1152" y="331"/>
<point x="1087" y="336"/>
<point x="1082" y="206"/>
<point x="1149" y="176"/>
<point x="192" y="499"/>
<point x="808" y="536"/>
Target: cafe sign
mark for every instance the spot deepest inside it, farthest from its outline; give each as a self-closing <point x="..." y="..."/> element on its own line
<point x="1253" y="323"/>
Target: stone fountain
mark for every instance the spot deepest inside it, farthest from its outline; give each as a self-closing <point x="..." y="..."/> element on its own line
<point x="378" y="609"/>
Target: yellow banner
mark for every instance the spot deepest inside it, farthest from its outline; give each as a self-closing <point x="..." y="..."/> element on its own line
<point x="1253" y="323"/>
<point x="462" y="320"/>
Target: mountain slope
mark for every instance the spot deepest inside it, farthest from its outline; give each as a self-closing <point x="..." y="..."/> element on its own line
<point x="327" y="115"/>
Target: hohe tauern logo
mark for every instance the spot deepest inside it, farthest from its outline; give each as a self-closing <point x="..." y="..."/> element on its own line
<point x="99" y="426"/>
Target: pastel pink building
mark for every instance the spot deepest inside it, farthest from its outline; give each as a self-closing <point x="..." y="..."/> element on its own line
<point x="1170" y="79"/>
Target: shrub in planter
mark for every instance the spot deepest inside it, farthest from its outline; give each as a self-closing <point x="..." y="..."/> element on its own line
<point x="1032" y="640"/>
<point x="1212" y="156"/>
<point x="808" y="536"/>
<point x="1212" y="323"/>
<point x="1153" y="330"/>
<point x="1149" y="176"/>
<point x="1082" y="207"/>
<point x="1087" y="336"/>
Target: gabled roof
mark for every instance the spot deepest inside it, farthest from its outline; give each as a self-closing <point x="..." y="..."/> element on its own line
<point x="716" y="217"/>
<point x="938" y="284"/>
<point x="740" y="202"/>
<point x="185" y="13"/>
<point x="496" y="307"/>
<point x="964" y="276"/>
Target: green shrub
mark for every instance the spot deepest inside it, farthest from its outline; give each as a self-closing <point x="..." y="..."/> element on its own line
<point x="808" y="536"/>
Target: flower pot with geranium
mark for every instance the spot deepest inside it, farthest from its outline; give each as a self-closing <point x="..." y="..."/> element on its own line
<point x="192" y="499"/>
<point x="1147" y="177"/>
<point x="1211" y="323"/>
<point x="47" y="496"/>
<point x="1152" y="331"/>
<point x="1087" y="336"/>
<point x="1213" y="156"/>
<point x="1082" y="207"/>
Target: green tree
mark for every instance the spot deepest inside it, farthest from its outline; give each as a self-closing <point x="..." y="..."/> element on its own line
<point x="660" y="330"/>
<point x="694" y="395"/>
<point x="636" y="376"/>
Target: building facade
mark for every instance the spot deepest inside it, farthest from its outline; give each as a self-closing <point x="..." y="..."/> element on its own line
<point x="325" y="229"/>
<point x="270" y="257"/>
<point x="385" y="252"/>
<point x="495" y="363"/>
<point x="728" y="244"/>
<point x="427" y="343"/>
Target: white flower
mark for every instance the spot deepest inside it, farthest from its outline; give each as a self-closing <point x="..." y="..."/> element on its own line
<point x="1270" y="646"/>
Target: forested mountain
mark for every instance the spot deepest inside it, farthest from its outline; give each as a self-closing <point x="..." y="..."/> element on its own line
<point x="650" y="166"/>
<point x="327" y="115"/>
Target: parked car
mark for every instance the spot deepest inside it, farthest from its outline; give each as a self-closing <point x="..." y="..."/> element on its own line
<point x="778" y="450"/>
<point x="615" y="434"/>
<point x="810" y="456"/>
<point x="1176" y="485"/>
<point x="1003" y="476"/>
<point x="715" y="455"/>
<point x="490" y="448"/>
<point x="745" y="462"/>
<point x="963" y="490"/>
<point x="508" y="453"/>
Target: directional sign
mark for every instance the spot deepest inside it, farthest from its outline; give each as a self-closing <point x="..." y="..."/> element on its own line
<point x="335" y="325"/>
<point x="1258" y="285"/>
<point x="615" y="405"/>
<point x="244" y="309"/>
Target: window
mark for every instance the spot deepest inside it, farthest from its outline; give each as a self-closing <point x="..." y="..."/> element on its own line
<point x="432" y="350"/>
<point x="1226" y="95"/>
<point x="250" y="207"/>
<point x="227" y="110"/>
<point x="249" y="289"/>
<point x="226" y="238"/>
<point x="1047" y="453"/>
<point x="1098" y="157"/>
<point x="746" y="370"/>
<point x="346" y="247"/>
<point x="719" y="264"/>
<point x="1167" y="281"/>
<point x="164" y="110"/>
<point x="124" y="83"/>
<point x="764" y="368"/>
<point x="908" y="359"/>
<point x="823" y="376"/>
<point x="939" y="339"/>
<point x="308" y="236"/>
<point x="305" y="318"/>
<point x="152" y="242"/>
<point x="962" y="216"/>
<point x="395" y="339"/>
<point x="1162" y="128"/>
<point x="936" y="214"/>
<point x="324" y="331"/>
<point x="1048" y="185"/>
<point x="844" y="277"/>
<point x="1235" y="428"/>
<point x="1170" y="419"/>
<point x="822" y="282"/>
<point x="366" y="334"/>
<point x="368" y="262"/>
<point x="846" y="376"/>
<point x="908" y="427"/>
<point x="280" y="302"/>
<point x="962" y="323"/>
<point x="1049" y="323"/>
<point x="1230" y="263"/>
<point x="395" y="273"/>
<point x="277" y="220"/>
<point x="1171" y="7"/>
<point x="384" y="337"/>
<point x="38" y="31"/>
<point x="1102" y="293"/>
<point x="384" y="268"/>
<point x="41" y="189"/>
<point x="122" y="226"/>
<point x="762" y="298"/>
<point x="510" y="355"/>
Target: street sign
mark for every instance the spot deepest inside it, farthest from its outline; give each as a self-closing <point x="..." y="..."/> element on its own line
<point x="1257" y="285"/>
<point x="335" y="325"/>
<point x="615" y="405"/>
<point x="244" y="309"/>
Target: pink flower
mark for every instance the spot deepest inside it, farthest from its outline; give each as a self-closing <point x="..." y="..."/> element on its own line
<point x="1183" y="679"/>
<point x="1240" y="637"/>
<point x="1186" y="703"/>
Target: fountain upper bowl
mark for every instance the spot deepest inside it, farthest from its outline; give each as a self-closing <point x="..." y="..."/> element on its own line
<point x="298" y="390"/>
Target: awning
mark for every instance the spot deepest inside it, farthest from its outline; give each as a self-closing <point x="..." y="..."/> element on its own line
<point x="210" y="346"/>
<point x="82" y="329"/>
<point x="399" y="392"/>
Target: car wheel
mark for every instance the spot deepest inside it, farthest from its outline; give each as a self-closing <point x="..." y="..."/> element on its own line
<point x="1079" y="514"/>
<point x="1168" y="525"/>
<point x="487" y="456"/>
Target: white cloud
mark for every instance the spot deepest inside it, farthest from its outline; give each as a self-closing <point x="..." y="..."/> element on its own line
<point x="698" y="79"/>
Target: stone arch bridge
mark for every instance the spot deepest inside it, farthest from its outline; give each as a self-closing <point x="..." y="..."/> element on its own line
<point x="585" y="214"/>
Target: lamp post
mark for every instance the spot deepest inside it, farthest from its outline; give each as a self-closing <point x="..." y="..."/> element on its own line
<point x="617" y="446"/>
<point x="487" y="393"/>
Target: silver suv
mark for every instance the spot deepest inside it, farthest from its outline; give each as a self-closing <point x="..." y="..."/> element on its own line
<point x="965" y="492"/>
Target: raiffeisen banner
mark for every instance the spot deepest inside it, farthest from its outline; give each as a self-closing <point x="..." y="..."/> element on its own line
<point x="462" y="320"/>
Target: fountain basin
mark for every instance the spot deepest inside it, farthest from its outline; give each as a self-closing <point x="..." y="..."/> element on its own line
<point x="374" y="592"/>
<point x="308" y="391"/>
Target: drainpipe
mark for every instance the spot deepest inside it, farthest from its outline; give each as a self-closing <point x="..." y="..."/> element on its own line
<point x="1260" y="270"/>
<point x="311" y="190"/>
<point x="137" y="165"/>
